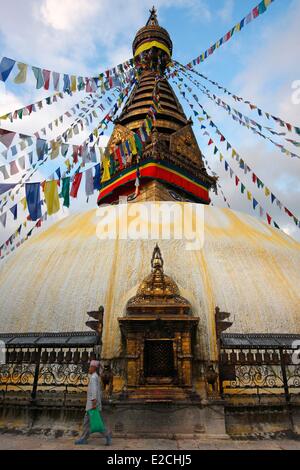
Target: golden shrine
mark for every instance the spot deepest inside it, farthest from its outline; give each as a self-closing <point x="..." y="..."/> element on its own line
<point x="157" y="332"/>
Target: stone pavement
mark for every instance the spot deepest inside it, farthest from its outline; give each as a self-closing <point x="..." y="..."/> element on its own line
<point x="20" y="442"/>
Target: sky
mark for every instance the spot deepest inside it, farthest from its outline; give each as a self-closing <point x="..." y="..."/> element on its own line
<point x="85" y="37"/>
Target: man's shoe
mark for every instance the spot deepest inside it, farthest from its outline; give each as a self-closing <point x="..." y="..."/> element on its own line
<point x="81" y="442"/>
<point x="108" y="440"/>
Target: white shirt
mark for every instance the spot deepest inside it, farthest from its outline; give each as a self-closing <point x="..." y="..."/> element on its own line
<point x="93" y="392"/>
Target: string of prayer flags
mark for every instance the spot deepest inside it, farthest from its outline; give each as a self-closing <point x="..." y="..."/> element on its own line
<point x="9" y="245"/>
<point x="253" y="14"/>
<point x="241" y="162"/>
<point x="116" y="77"/>
<point x="238" y="116"/>
<point x="234" y="154"/>
<point x="32" y="108"/>
<point x="253" y="107"/>
<point x="42" y="144"/>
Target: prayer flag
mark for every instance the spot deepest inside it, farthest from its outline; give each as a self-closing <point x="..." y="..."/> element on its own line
<point x="51" y="197"/>
<point x="33" y="200"/>
<point x="14" y="211"/>
<point x="3" y="219"/>
<point x="65" y="192"/>
<point x="76" y="185"/>
<point x="6" y="66"/>
<point x="106" y="169"/>
<point x="89" y="182"/>
<point x="6" y="137"/>
<point x="46" y="76"/>
<point x="22" y="75"/>
<point x="39" y="77"/>
<point x="97" y="183"/>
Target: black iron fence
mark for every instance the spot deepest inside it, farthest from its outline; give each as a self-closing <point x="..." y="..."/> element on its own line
<point x="56" y="370"/>
<point x="255" y="371"/>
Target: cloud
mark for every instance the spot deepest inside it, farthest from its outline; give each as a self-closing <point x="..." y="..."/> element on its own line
<point x="225" y="13"/>
<point x="67" y="15"/>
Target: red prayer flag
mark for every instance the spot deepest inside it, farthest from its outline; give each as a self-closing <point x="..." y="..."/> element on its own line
<point x="288" y="212"/>
<point x="46" y="75"/>
<point x="210" y="142"/>
<point x="222" y="138"/>
<point x="237" y="179"/>
<point x="119" y="157"/>
<point x="254" y="178"/>
<point x="75" y="185"/>
<point x="255" y="12"/>
<point x="269" y="219"/>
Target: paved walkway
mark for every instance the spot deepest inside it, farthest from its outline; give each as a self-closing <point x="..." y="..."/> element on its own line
<point x="18" y="442"/>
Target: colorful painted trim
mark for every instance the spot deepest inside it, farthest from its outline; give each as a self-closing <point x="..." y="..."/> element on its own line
<point x="160" y="171"/>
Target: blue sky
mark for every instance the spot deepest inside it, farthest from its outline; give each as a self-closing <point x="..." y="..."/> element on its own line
<point x="260" y="64"/>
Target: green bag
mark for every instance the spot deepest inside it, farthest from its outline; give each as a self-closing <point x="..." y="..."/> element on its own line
<point x="96" y="421"/>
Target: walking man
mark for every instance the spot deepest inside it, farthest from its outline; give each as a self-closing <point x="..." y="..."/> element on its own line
<point x="93" y="402"/>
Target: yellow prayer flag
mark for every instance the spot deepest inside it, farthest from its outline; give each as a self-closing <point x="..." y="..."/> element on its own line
<point x="51" y="197"/>
<point x="267" y="2"/>
<point x="106" y="172"/>
<point x="221" y="157"/>
<point x="233" y="153"/>
<point x="73" y="83"/>
<point x="267" y="191"/>
<point x="24" y="203"/>
<point x="132" y="145"/>
<point x="249" y="195"/>
<point x="21" y="77"/>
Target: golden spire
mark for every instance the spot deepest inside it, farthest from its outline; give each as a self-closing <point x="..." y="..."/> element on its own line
<point x="153" y="18"/>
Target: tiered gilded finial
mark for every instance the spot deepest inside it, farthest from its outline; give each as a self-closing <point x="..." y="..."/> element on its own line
<point x="157" y="265"/>
<point x="157" y="288"/>
<point x="152" y="46"/>
<point x="152" y="134"/>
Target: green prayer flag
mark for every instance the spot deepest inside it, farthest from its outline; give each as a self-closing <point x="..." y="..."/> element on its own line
<point x="149" y="121"/>
<point x="138" y="144"/>
<point x="262" y="7"/>
<point x="242" y="188"/>
<point x="65" y="192"/>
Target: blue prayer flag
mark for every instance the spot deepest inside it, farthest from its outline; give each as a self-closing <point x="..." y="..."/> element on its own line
<point x="6" y="66"/>
<point x="97" y="177"/>
<point x="33" y="200"/>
